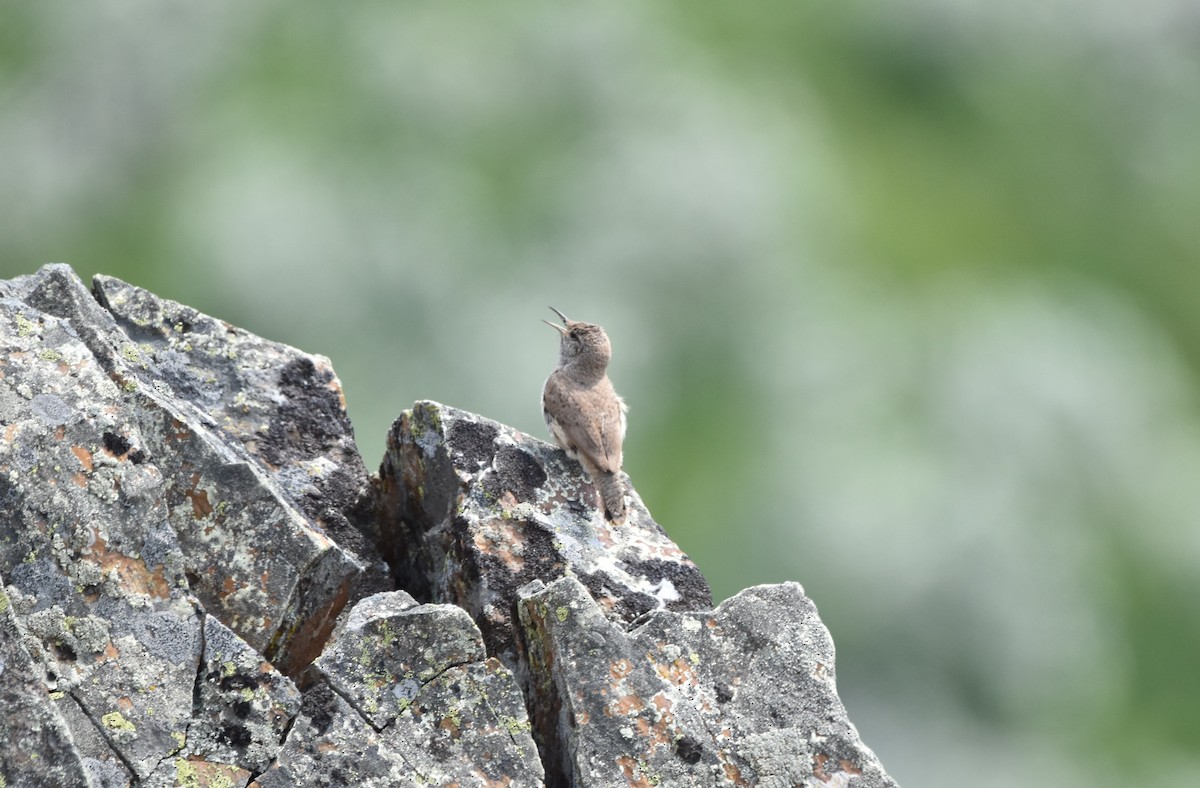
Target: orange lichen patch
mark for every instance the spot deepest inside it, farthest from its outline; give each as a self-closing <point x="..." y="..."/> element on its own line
<point x="335" y="386"/>
<point x="132" y="571"/>
<point x="500" y="541"/>
<point x="124" y="704"/>
<point x="620" y="669"/>
<point x="84" y="456"/>
<point x="732" y="773"/>
<point x="10" y="432"/>
<point x="664" y="732"/>
<point x="79" y="479"/>
<point x="633" y="772"/>
<point x="60" y="433"/>
<point x="604" y="536"/>
<point x="662" y="702"/>
<point x="845" y="767"/>
<point x="450" y="726"/>
<point x="110" y="653"/>
<point x="178" y="432"/>
<point x="204" y="774"/>
<point x="665" y="550"/>
<point x="627" y="705"/>
<point x="503" y="782"/>
<point x="201" y="508"/>
<point x="679" y="672"/>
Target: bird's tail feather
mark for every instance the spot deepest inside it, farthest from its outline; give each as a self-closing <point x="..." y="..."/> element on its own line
<point x="612" y="492"/>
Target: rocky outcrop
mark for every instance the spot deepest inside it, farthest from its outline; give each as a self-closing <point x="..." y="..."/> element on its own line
<point x="202" y="586"/>
<point x="472" y="510"/>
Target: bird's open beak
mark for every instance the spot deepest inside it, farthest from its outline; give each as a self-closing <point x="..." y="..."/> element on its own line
<point x="557" y="328"/>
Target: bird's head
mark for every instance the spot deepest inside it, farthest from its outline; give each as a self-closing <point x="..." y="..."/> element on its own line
<point x="581" y="343"/>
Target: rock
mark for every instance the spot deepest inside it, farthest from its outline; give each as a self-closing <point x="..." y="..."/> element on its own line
<point x="94" y="572"/>
<point x="391" y="647"/>
<point x="741" y="695"/>
<point x="106" y="528"/>
<point x="331" y="745"/>
<point x="186" y="529"/>
<point x="211" y="412"/>
<point x="474" y="510"/>
<point x="408" y="697"/>
<point x="285" y="408"/>
<point x="243" y="706"/>
<point x="38" y="742"/>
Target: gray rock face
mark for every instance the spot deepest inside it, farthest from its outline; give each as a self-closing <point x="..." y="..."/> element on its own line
<point x="414" y="701"/>
<point x="195" y="592"/>
<point x="473" y="510"/>
<point x="197" y="402"/>
<point x="38" y="741"/>
<point x="740" y="695"/>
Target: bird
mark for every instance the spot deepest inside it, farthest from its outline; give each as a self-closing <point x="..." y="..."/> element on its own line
<point x="584" y="414"/>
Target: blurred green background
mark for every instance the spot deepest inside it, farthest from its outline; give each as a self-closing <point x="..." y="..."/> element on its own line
<point x="903" y="296"/>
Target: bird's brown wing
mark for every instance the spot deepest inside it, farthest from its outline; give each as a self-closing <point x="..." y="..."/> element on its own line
<point x="611" y="434"/>
<point x="596" y="440"/>
<point x="602" y="435"/>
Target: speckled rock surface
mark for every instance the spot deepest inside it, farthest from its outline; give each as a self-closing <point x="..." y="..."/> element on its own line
<point x="476" y="510"/>
<point x="195" y="593"/>
<point x="741" y="695"/>
<point x="407" y="696"/>
<point x="243" y="707"/>
<point x="39" y="745"/>
<point x="128" y="515"/>
<point x="285" y="408"/>
<point x="93" y="570"/>
<point x="210" y="411"/>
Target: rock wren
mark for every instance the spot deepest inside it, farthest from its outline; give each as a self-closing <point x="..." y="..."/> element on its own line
<point x="584" y="413"/>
